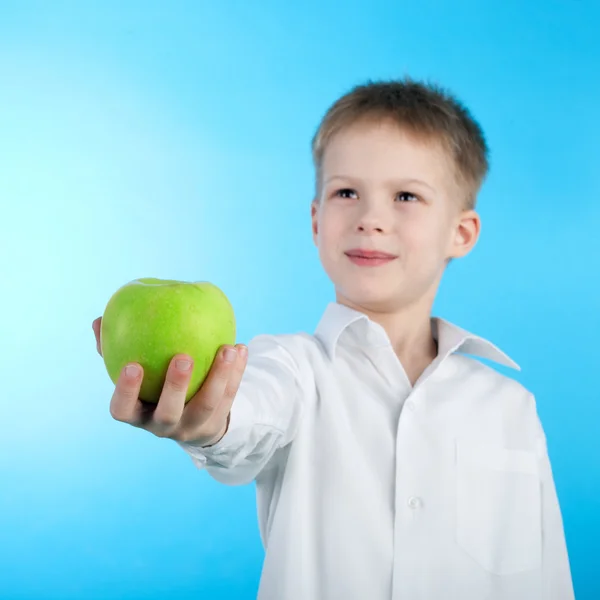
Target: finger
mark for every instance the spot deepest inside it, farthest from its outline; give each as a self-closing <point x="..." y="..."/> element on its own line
<point x="96" y="323"/>
<point x="233" y="384"/>
<point x="201" y="407"/>
<point x="212" y="403"/>
<point x="125" y="405"/>
<point x="170" y="405"/>
<point x="220" y="417"/>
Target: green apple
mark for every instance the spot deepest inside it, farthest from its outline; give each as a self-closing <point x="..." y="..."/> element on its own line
<point x="149" y="320"/>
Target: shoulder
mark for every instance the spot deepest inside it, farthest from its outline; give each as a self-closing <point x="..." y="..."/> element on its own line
<point x="299" y="351"/>
<point x="297" y="345"/>
<point x="498" y="402"/>
<point x="489" y="383"/>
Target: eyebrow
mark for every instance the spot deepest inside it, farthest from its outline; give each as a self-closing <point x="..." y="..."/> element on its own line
<point x="395" y="182"/>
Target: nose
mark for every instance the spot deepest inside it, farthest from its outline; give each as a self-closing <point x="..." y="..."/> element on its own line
<point x="366" y="227"/>
<point x="370" y="221"/>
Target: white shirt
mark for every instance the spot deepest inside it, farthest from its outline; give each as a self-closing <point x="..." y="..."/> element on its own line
<point x="370" y="489"/>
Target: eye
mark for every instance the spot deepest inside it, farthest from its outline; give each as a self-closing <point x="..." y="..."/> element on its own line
<point x="406" y="197"/>
<point x="345" y="193"/>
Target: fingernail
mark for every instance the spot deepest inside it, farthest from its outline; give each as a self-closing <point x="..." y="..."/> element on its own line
<point x="183" y="365"/>
<point x="243" y="351"/>
<point x="132" y="370"/>
<point x="229" y="355"/>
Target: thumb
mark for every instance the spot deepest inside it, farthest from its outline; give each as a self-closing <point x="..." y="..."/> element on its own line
<point x="96" y="327"/>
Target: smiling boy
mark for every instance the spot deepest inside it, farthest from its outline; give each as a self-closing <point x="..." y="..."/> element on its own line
<point x="390" y="463"/>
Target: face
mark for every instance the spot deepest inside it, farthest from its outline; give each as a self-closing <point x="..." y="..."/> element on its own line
<point x="388" y="218"/>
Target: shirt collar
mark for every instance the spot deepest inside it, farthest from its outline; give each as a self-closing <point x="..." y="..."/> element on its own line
<point x="339" y="319"/>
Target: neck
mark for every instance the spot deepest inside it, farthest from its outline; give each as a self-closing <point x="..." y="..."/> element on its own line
<point x="409" y="331"/>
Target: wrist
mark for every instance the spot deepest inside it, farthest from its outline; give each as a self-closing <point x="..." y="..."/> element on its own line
<point x="220" y="435"/>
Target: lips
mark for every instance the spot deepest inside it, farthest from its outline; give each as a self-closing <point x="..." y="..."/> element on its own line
<point x="363" y="253"/>
<point x="369" y="258"/>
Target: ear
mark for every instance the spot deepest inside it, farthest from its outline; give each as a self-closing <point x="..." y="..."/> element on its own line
<point x="314" y="214"/>
<point x="465" y="234"/>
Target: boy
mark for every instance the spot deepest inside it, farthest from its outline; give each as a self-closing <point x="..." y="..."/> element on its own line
<point x="388" y="465"/>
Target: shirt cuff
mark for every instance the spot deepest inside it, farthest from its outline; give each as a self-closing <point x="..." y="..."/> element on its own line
<point x="222" y="452"/>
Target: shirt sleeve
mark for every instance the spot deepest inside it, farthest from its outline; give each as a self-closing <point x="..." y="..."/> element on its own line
<point x="556" y="571"/>
<point x="264" y="415"/>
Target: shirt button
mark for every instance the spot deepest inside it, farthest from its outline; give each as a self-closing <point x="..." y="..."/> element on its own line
<point x="415" y="502"/>
<point x="410" y="405"/>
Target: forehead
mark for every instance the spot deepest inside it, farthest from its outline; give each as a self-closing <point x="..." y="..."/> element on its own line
<point x="373" y="149"/>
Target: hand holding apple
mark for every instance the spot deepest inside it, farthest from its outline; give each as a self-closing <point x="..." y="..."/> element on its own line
<point x="202" y="420"/>
<point x="149" y="321"/>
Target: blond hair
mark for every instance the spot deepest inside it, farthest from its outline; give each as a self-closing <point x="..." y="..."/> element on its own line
<point x="424" y="110"/>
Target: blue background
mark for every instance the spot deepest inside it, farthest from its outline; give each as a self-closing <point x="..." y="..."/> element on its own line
<point x="171" y="139"/>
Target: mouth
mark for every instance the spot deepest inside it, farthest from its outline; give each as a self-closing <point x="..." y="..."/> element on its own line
<point x="369" y="258"/>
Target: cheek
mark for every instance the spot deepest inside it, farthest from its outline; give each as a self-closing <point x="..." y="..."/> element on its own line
<point x="330" y="230"/>
<point x="415" y="234"/>
<point x="422" y="232"/>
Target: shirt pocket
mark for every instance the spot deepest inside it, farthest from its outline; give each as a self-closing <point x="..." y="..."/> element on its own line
<point x="498" y="507"/>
